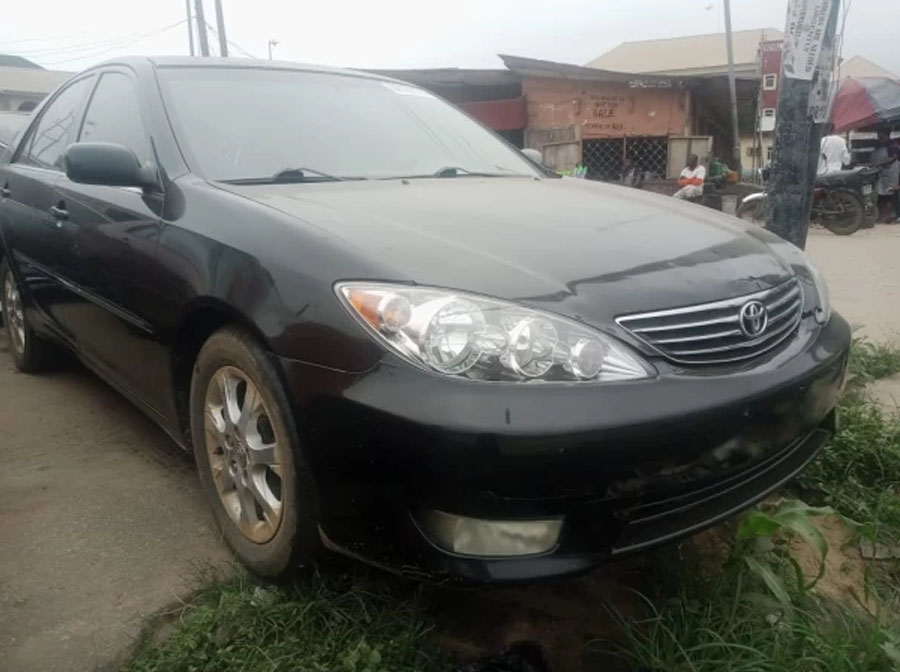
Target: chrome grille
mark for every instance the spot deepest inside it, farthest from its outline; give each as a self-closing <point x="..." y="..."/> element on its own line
<point x="723" y="331"/>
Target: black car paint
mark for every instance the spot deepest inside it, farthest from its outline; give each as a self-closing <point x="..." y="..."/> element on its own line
<point x="130" y="278"/>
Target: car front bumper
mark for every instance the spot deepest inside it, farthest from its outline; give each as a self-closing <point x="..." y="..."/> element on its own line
<point x="625" y="466"/>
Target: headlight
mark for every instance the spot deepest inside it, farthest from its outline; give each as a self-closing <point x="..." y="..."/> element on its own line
<point x="474" y="337"/>
<point x="823" y="308"/>
<point x="797" y="257"/>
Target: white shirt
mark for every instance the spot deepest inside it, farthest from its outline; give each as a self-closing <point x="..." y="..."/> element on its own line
<point x="833" y="154"/>
<point x="699" y="171"/>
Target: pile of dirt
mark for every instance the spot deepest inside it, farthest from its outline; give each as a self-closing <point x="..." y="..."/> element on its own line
<point x="844" y="579"/>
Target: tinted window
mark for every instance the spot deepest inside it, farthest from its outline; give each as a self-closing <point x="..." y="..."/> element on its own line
<point x="114" y="115"/>
<point x="56" y="128"/>
<point x="253" y="122"/>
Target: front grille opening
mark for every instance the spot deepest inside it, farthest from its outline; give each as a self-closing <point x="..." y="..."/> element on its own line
<point x="722" y="331"/>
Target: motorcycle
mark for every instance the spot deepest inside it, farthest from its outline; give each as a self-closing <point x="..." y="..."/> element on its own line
<point x="841" y="201"/>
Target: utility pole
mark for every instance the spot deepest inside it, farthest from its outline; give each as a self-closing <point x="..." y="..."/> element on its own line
<point x="807" y="55"/>
<point x="201" y="28"/>
<point x="220" y="29"/>
<point x="190" y="25"/>
<point x="732" y="90"/>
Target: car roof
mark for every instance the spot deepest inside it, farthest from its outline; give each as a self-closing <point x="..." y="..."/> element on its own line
<point x="236" y="63"/>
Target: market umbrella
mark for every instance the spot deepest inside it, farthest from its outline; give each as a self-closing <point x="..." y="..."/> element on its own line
<point x="865" y="101"/>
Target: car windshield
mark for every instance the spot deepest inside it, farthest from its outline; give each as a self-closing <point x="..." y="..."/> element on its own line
<point x="257" y="123"/>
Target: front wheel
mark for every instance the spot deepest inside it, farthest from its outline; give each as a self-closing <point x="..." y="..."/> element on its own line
<point x="248" y="455"/>
<point x="840" y="211"/>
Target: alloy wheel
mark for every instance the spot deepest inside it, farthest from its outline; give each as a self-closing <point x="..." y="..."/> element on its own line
<point x="14" y="313"/>
<point x="245" y="455"/>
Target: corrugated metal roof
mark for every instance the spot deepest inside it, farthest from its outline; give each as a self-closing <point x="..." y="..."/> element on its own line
<point x="31" y="80"/>
<point x="451" y="76"/>
<point x="540" y="68"/>
<point x="691" y="55"/>
<point x="12" y="61"/>
<point x="858" y="66"/>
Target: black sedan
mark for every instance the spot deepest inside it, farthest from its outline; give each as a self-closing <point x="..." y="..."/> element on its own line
<point x="383" y="331"/>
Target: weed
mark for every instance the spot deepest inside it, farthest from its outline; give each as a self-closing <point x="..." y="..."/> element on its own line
<point x="758" y="614"/>
<point x="762" y="546"/>
<point x="349" y="623"/>
<point x="858" y="471"/>
<point x="871" y="361"/>
<point x="727" y="629"/>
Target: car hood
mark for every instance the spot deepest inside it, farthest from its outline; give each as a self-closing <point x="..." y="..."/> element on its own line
<point x="592" y="250"/>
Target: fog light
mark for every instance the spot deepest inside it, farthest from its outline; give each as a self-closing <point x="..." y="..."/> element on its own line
<point x="472" y="536"/>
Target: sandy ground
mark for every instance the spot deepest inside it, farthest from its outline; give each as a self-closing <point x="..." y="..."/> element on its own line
<point x="863" y="273"/>
<point x="102" y="521"/>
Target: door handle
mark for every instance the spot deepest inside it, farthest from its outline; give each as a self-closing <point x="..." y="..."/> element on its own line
<point x="59" y="212"/>
<point x="4" y="191"/>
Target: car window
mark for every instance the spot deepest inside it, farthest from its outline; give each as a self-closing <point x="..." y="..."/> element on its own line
<point x="56" y="128"/>
<point x="114" y="115"/>
<point x="252" y="122"/>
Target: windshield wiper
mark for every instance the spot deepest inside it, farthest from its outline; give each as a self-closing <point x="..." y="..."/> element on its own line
<point x="290" y="176"/>
<point x="457" y="171"/>
<point x="302" y="175"/>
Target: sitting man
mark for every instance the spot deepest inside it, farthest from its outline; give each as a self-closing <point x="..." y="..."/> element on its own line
<point x="691" y="180"/>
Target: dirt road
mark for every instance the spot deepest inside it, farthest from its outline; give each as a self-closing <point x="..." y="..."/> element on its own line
<point x="102" y="521"/>
<point x="863" y="272"/>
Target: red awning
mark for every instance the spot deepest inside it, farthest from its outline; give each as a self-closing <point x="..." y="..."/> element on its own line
<point x="501" y="115"/>
<point x="865" y="101"/>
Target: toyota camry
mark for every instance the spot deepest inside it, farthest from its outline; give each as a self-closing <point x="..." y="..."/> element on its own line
<point x="383" y="331"/>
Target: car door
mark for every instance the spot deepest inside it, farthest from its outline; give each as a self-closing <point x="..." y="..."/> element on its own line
<point x="33" y="230"/>
<point x="114" y="243"/>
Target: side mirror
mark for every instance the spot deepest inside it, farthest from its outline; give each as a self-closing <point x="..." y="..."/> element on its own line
<point x="533" y="155"/>
<point x="107" y="163"/>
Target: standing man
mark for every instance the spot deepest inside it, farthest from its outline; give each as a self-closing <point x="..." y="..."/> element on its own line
<point x="833" y="152"/>
<point x="885" y="158"/>
<point x="691" y="180"/>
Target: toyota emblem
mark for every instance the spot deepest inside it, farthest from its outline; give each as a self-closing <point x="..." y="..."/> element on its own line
<point x="753" y="319"/>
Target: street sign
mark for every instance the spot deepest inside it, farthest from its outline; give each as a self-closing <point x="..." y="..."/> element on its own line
<point x="804" y="33"/>
<point x="820" y="96"/>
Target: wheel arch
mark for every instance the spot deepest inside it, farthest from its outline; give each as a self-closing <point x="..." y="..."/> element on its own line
<point x="202" y="319"/>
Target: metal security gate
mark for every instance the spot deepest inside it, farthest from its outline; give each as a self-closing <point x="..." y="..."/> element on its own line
<point x="604" y="157"/>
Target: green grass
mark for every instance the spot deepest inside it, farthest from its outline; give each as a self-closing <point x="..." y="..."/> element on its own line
<point x="752" y="613"/>
<point x="349" y="623"/>
<point x="733" y="626"/>
<point x="858" y="472"/>
<point x="870" y="361"/>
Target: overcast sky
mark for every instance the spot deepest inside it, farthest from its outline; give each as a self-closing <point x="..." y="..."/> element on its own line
<point x="71" y="35"/>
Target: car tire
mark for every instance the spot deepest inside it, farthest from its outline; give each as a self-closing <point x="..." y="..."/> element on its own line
<point x="850" y="203"/>
<point x="30" y="353"/>
<point x="248" y="456"/>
